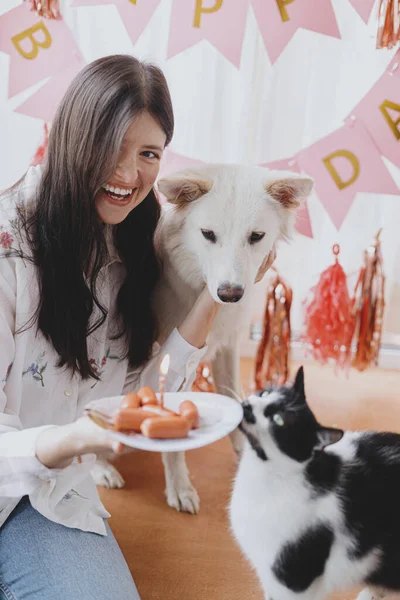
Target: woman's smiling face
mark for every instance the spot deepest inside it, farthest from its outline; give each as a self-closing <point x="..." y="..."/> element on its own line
<point x="136" y="172"/>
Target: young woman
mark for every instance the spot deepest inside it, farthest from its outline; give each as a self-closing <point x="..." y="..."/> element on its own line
<point x="77" y="270"/>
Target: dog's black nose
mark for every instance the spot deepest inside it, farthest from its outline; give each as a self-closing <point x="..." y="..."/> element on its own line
<point x="230" y="293"/>
<point x="248" y="414"/>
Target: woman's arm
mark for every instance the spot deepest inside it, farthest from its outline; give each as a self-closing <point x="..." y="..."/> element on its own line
<point x="56" y="447"/>
<point x="185" y="346"/>
<point x="24" y="453"/>
<point x="196" y="327"/>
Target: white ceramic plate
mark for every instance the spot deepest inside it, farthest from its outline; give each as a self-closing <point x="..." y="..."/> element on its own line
<point x="219" y="415"/>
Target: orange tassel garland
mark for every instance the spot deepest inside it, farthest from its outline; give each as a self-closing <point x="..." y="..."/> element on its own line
<point x="272" y="360"/>
<point x="50" y="9"/>
<point x="369" y="305"/>
<point x="388" y="24"/>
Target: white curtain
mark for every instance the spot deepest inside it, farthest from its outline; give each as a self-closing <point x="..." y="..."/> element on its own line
<point x="254" y="114"/>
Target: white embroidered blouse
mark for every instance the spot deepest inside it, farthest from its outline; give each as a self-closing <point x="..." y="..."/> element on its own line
<point x="35" y="393"/>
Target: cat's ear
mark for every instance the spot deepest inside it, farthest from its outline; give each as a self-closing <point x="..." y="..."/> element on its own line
<point x="328" y="436"/>
<point x="298" y="386"/>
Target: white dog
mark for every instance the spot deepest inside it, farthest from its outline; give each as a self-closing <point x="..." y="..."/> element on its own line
<point x="217" y="228"/>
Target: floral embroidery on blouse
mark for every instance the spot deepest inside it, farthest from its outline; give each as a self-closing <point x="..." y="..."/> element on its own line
<point x="37" y="369"/>
<point x="99" y="365"/>
<point x="6" y="238"/>
<point x="4" y="380"/>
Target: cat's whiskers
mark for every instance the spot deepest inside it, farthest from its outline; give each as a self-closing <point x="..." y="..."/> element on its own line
<point x="233" y="392"/>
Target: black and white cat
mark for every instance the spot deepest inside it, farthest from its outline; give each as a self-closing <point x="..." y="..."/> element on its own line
<point x="315" y="510"/>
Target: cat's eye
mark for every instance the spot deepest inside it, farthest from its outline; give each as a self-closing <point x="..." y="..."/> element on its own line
<point x="256" y="236"/>
<point x="209" y="235"/>
<point x="278" y="419"/>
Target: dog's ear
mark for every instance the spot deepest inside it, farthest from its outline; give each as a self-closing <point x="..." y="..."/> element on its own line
<point x="183" y="189"/>
<point x="290" y="190"/>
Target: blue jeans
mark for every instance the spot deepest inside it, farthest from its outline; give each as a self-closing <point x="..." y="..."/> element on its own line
<point x="42" y="560"/>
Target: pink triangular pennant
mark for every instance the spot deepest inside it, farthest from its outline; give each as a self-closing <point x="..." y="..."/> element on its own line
<point x="195" y="20"/>
<point x="303" y="221"/>
<point x="379" y="110"/>
<point x="135" y="14"/>
<point x="343" y="163"/>
<point x="38" y="47"/>
<point x="364" y="8"/>
<point x="279" y="21"/>
<point x="43" y="103"/>
<point x="172" y="162"/>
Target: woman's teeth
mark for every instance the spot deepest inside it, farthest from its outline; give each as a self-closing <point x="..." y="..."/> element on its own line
<point x="117" y="193"/>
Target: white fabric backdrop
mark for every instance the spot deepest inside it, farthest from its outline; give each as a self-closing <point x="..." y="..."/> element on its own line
<point x="256" y="114"/>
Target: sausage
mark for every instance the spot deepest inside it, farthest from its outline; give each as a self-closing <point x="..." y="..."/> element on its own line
<point x="188" y="410"/>
<point x="147" y="396"/>
<point x="159" y="411"/>
<point x="130" y="401"/>
<point x="165" y="428"/>
<point x="130" y="419"/>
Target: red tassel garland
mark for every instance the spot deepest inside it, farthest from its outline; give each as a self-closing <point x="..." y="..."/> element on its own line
<point x="329" y="319"/>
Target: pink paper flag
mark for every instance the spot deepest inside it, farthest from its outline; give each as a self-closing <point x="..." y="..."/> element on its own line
<point x="280" y="19"/>
<point x="43" y="103"/>
<point x="342" y="164"/>
<point x="172" y="162"/>
<point x="303" y="221"/>
<point x="379" y="110"/>
<point x="38" y="47"/>
<point x="221" y="22"/>
<point x="135" y="14"/>
<point x="364" y="8"/>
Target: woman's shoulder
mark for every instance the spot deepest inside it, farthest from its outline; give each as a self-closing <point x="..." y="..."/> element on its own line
<point x="18" y="198"/>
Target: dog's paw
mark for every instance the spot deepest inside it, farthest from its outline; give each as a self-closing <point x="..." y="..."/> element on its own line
<point x="183" y="498"/>
<point x="105" y="475"/>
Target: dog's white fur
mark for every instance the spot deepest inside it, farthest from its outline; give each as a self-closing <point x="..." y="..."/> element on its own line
<point x="232" y="201"/>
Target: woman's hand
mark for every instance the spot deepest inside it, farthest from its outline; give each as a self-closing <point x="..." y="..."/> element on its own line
<point x="56" y="447"/>
<point x="266" y="264"/>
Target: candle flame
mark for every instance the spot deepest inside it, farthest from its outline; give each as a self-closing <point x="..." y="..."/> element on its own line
<point x="206" y="372"/>
<point x="164" y="365"/>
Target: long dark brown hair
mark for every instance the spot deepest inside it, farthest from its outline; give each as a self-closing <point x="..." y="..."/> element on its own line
<point x="64" y="232"/>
